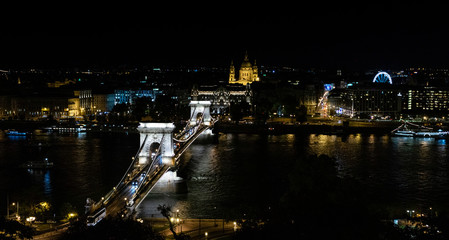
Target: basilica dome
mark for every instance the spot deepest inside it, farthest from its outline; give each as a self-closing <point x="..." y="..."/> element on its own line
<point x="246" y="64"/>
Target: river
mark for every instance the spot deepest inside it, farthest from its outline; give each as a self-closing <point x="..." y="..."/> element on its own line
<point x="226" y="172"/>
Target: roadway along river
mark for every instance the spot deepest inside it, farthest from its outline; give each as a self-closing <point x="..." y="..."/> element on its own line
<point x="224" y="173"/>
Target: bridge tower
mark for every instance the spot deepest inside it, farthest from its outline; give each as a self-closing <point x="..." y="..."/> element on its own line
<point x="156" y="134"/>
<point x="200" y="107"/>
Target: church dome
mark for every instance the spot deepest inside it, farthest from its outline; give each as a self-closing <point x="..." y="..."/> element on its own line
<point x="246" y="64"/>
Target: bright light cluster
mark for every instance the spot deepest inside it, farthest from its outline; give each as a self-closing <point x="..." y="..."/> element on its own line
<point x="382" y="77"/>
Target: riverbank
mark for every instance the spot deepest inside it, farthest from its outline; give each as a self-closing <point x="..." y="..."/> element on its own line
<point x="313" y="126"/>
<point x="308" y="128"/>
<point x="196" y="228"/>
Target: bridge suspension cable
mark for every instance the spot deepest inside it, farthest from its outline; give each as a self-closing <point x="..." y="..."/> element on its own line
<point x="187" y="125"/>
<point x="194" y="128"/>
<point x="116" y="188"/>
<point x="147" y="173"/>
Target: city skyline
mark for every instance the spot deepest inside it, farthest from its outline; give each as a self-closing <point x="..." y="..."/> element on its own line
<point x="340" y="35"/>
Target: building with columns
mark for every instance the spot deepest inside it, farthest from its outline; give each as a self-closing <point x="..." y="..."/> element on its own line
<point x="221" y="97"/>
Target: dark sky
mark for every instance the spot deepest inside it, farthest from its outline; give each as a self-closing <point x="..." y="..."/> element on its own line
<point x="352" y="35"/>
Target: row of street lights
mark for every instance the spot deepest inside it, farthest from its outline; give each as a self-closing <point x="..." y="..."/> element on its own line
<point x="178" y="222"/>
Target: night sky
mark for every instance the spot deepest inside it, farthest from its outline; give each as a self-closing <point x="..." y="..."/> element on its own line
<point x="352" y="35"/>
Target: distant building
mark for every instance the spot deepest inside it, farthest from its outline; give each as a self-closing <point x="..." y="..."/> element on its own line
<point x="221" y="97"/>
<point x="34" y="105"/>
<point x="366" y="101"/>
<point x="248" y="73"/>
<point x="129" y="96"/>
<point x="425" y="100"/>
<point x="103" y="103"/>
<point x="58" y="84"/>
<point x="39" y="106"/>
<point x="85" y="99"/>
<point x="308" y="98"/>
<point x="74" y="105"/>
<point x="95" y="103"/>
<point x="5" y="106"/>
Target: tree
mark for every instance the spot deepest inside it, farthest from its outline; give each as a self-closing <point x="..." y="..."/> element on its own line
<point x="142" y="107"/>
<point x="318" y="204"/>
<point x="66" y="209"/>
<point x="120" y="108"/>
<point x="164" y="109"/>
<point x="112" y="228"/>
<point x="42" y="210"/>
<point x="10" y="229"/>
<point x="238" y="110"/>
<point x="119" y="113"/>
<point x="262" y="108"/>
<point x="166" y="212"/>
<point x="301" y="114"/>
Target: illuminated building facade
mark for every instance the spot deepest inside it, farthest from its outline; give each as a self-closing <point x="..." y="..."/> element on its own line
<point x="130" y="96"/>
<point x="95" y="103"/>
<point x="390" y="101"/>
<point x="38" y="106"/>
<point x="425" y="100"/>
<point x="365" y="102"/>
<point x="222" y="97"/>
<point x="248" y="72"/>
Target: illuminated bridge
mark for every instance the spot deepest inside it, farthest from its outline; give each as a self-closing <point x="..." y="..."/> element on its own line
<point x="159" y="152"/>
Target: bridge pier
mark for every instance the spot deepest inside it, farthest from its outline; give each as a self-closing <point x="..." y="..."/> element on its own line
<point x="157" y="135"/>
<point x="170" y="183"/>
<point x="197" y="107"/>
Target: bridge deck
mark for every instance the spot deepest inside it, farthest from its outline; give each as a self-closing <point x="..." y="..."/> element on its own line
<point x="124" y="199"/>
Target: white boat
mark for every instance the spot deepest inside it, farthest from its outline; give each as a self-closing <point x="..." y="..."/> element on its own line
<point x="45" y="164"/>
<point x="439" y="134"/>
<point x="418" y="131"/>
<point x="404" y="133"/>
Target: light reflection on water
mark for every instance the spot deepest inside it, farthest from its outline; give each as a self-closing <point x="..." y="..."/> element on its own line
<point x="413" y="171"/>
<point x="231" y="172"/>
<point x="406" y="172"/>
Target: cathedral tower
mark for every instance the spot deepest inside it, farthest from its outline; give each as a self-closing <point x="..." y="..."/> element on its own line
<point x="232" y="73"/>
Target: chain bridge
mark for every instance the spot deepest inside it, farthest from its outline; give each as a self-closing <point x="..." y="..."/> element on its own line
<point x="159" y="152"/>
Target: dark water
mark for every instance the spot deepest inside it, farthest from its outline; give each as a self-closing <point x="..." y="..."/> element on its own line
<point x="227" y="172"/>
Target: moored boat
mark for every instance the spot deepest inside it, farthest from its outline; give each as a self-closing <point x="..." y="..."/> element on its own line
<point x="12" y="132"/>
<point x="37" y="164"/>
<point x="404" y="133"/>
<point x="418" y="131"/>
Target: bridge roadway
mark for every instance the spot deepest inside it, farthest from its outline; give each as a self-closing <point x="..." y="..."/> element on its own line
<point x="140" y="179"/>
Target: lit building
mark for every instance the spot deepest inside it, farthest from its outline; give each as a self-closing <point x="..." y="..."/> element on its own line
<point x="5" y="106"/>
<point x="130" y="96"/>
<point x="39" y="106"/>
<point x="390" y="101"/>
<point x="58" y="84"/>
<point x="102" y="103"/>
<point x="95" y="103"/>
<point x="222" y="97"/>
<point x="248" y="73"/>
<point x="85" y="97"/>
<point x="308" y="98"/>
<point x="427" y="100"/>
<point x="74" y="107"/>
<point x="365" y="102"/>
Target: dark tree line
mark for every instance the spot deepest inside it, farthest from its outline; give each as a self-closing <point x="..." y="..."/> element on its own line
<point x="319" y="204"/>
<point x="163" y="109"/>
<point x="12" y="229"/>
<point x="112" y="228"/>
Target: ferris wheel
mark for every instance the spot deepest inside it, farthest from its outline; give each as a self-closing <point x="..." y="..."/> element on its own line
<point x="382" y="77"/>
